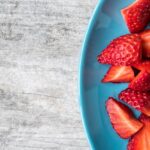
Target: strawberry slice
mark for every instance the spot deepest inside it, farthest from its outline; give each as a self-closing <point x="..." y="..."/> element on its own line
<point x="119" y="74"/>
<point x="141" y="82"/>
<point x="125" y="50"/>
<point x="136" y="99"/>
<point x="122" y="118"/>
<point x="145" y="65"/>
<point x="145" y="36"/>
<point x="141" y="140"/>
<point x="137" y="15"/>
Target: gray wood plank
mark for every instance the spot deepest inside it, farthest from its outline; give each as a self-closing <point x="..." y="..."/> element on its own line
<point x="40" y="42"/>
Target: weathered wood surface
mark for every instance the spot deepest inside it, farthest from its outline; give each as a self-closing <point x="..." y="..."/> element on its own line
<point x="40" y="42"/>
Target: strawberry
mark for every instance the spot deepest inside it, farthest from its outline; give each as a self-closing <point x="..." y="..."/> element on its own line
<point x="136" y="99"/>
<point x="145" y="36"/>
<point x="141" y="140"/>
<point x="122" y="118"/>
<point x="125" y="50"/>
<point x="119" y="74"/>
<point x="145" y="65"/>
<point x="141" y="82"/>
<point x="137" y="15"/>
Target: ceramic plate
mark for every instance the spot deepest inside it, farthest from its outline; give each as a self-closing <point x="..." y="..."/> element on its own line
<point x="105" y="25"/>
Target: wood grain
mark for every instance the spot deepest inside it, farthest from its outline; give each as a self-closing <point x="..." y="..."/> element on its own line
<point x="40" y="42"/>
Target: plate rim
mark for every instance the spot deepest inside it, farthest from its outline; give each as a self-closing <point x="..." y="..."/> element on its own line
<point x="81" y="65"/>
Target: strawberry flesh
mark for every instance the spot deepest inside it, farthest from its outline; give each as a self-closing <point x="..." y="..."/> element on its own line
<point x="125" y="50"/>
<point x="136" y="99"/>
<point x="145" y="36"/>
<point x="141" y="82"/>
<point x="118" y="74"/>
<point x="122" y="118"/>
<point x="137" y="15"/>
<point x="141" y="140"/>
<point x="144" y="65"/>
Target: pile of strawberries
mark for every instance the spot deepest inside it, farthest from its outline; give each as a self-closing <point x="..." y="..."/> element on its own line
<point x="129" y="57"/>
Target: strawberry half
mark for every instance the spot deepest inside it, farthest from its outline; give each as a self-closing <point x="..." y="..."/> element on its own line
<point x="122" y="118"/>
<point x="141" y="140"/>
<point x="145" y="36"/>
<point x="141" y="82"/>
<point x="136" y="99"/>
<point x="125" y="50"/>
<point x="119" y="74"/>
<point x="137" y="15"/>
<point x="145" y="65"/>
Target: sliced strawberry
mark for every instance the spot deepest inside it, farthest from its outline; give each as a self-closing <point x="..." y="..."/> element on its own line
<point x="141" y="82"/>
<point x="136" y="99"/>
<point x="141" y="140"/>
<point x="122" y="118"/>
<point x="119" y="74"/>
<point x="145" y="36"/>
<point x="125" y="50"/>
<point x="137" y="15"/>
<point x="145" y="65"/>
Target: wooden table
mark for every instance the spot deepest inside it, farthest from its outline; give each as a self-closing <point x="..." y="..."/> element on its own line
<point x="40" y="42"/>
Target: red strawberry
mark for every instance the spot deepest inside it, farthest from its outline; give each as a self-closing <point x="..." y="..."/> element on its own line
<point x="125" y="50"/>
<point x="141" y="140"/>
<point x="138" y="100"/>
<point x="119" y="74"/>
<point x="137" y="15"/>
<point x="145" y="65"/>
<point x="145" y="36"/>
<point x="141" y="82"/>
<point x="122" y="118"/>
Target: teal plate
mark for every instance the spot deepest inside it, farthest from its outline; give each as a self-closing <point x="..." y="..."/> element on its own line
<point x="105" y="25"/>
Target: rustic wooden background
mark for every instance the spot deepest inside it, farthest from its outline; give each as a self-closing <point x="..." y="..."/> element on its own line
<point x="40" y="42"/>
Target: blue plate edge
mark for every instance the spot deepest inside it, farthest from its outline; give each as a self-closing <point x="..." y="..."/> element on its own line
<point x="82" y="58"/>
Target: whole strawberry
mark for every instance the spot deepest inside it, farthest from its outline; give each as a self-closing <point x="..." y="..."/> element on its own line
<point x="125" y="50"/>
